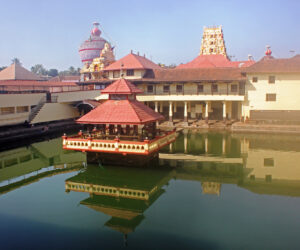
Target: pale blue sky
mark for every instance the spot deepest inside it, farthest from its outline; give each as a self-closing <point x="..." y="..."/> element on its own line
<point x="50" y="32"/>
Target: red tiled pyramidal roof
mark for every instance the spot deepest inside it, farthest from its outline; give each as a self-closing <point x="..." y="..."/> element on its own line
<point x="17" y="72"/>
<point x="121" y="86"/>
<point x="120" y="112"/>
<point x="214" y="61"/>
<point x="132" y="61"/>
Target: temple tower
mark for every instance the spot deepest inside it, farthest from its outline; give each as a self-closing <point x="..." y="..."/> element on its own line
<point x="213" y="42"/>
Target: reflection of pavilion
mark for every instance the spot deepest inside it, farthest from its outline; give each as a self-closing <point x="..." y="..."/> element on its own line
<point x="123" y="193"/>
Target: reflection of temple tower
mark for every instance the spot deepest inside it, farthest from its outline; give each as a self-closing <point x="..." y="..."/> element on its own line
<point x="213" y="42"/>
<point x="123" y="193"/>
<point x="209" y="187"/>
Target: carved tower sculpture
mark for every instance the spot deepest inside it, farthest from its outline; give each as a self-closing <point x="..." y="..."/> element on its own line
<point x="213" y="42"/>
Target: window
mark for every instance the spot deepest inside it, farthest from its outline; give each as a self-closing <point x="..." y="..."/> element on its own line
<point x="7" y="110"/>
<point x="200" y="88"/>
<point x="271" y="97"/>
<point x="271" y="79"/>
<point x="211" y="50"/>
<point x="234" y="87"/>
<point x="150" y="88"/>
<point x="268" y="178"/>
<point x="269" y="162"/>
<point x="166" y="88"/>
<point x="254" y="79"/>
<point x="179" y="88"/>
<point x="22" y="109"/>
<point x="129" y="72"/>
<point x="116" y="74"/>
<point x="214" y="88"/>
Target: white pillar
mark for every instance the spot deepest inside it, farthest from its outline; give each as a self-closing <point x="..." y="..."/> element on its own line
<point x="171" y="147"/>
<point x="156" y="106"/>
<point x="170" y="111"/>
<point x="224" y="110"/>
<point x="185" y="112"/>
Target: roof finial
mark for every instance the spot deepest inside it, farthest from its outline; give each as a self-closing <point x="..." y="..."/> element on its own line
<point x="268" y="51"/>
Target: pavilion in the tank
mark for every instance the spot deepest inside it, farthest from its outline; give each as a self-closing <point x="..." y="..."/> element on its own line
<point x="121" y="126"/>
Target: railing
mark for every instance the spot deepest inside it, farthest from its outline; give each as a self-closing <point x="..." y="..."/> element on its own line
<point x="13" y="89"/>
<point x="193" y="92"/>
<point x="107" y="190"/>
<point x="37" y="108"/>
<point x="144" y="147"/>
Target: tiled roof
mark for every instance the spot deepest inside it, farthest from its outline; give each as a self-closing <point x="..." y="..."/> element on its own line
<point x="64" y="79"/>
<point x="198" y="74"/>
<point x="121" y="86"/>
<point x="132" y="61"/>
<point x="214" y="61"/>
<point x="288" y="65"/>
<point x="120" y="112"/>
<point x="35" y="83"/>
<point x="17" y="72"/>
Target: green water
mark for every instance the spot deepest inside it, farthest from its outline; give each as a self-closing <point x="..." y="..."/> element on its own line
<point x="211" y="191"/>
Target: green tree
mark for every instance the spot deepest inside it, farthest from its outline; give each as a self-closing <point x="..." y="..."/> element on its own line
<point x="53" y="72"/>
<point x="15" y="60"/>
<point x="39" y="69"/>
<point x="2" y="68"/>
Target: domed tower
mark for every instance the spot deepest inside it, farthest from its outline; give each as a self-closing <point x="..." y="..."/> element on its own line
<point x="92" y="47"/>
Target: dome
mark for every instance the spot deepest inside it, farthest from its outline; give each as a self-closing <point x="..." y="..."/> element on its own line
<point x="92" y="47"/>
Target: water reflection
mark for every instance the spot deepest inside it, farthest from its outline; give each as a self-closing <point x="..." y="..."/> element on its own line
<point x="122" y="193"/>
<point x="25" y="165"/>
<point x="264" y="164"/>
<point x="193" y="173"/>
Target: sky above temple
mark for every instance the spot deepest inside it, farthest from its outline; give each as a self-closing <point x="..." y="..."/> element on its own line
<point x="169" y="31"/>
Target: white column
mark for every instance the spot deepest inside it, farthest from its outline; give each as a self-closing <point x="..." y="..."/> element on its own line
<point x="171" y="147"/>
<point x="156" y="106"/>
<point x="185" y="112"/>
<point x="170" y="111"/>
<point x="224" y="110"/>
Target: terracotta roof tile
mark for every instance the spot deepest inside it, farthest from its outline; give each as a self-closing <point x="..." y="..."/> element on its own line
<point x="132" y="61"/>
<point x="196" y="74"/>
<point x="121" y="86"/>
<point x="120" y="112"/>
<point x="35" y="83"/>
<point x="65" y="79"/>
<point x="214" y="61"/>
<point x="272" y="65"/>
<point x="17" y="72"/>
